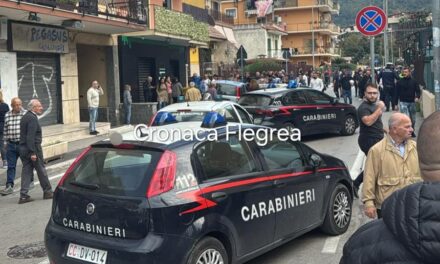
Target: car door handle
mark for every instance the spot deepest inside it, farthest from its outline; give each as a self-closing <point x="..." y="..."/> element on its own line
<point x="219" y="196"/>
<point x="280" y="184"/>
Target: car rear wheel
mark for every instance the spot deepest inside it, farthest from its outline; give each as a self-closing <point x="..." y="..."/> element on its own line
<point x="208" y="251"/>
<point x="338" y="214"/>
<point x="349" y="126"/>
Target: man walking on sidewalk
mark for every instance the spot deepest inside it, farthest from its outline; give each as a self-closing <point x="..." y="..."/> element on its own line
<point x="371" y="127"/>
<point x="408" y="93"/>
<point x="31" y="153"/>
<point x="12" y="139"/>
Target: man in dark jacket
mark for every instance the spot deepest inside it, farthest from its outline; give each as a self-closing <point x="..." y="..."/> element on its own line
<point x="346" y="82"/>
<point x="366" y="79"/>
<point x="31" y="153"/>
<point x="409" y="231"/>
<point x="389" y="77"/>
<point x="408" y="93"/>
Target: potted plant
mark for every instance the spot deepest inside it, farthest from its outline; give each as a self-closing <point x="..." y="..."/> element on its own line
<point x="67" y="4"/>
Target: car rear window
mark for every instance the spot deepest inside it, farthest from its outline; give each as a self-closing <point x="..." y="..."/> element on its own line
<point x="189" y="116"/>
<point x="255" y="100"/>
<point x="226" y="89"/>
<point x="121" y="172"/>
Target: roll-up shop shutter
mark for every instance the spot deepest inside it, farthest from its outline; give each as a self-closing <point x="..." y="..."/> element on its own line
<point x="145" y="68"/>
<point x="38" y="78"/>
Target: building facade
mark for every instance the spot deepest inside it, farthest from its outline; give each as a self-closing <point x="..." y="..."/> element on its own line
<point x="52" y="51"/>
<point x="311" y="34"/>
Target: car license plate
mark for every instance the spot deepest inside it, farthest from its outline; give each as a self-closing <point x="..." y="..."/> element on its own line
<point x="88" y="254"/>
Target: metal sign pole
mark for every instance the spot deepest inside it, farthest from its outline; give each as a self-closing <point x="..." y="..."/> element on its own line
<point x="373" y="78"/>
<point x="241" y="65"/>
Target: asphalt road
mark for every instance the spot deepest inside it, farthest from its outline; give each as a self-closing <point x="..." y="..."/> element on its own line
<point x="22" y="226"/>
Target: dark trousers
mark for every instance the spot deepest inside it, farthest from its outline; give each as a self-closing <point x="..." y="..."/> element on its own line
<point x="12" y="154"/>
<point x="388" y="97"/>
<point x="365" y="143"/>
<point x="148" y="97"/>
<point x="27" y="172"/>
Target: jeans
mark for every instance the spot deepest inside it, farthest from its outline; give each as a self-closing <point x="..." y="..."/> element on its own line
<point x="346" y="94"/>
<point x="12" y="154"/>
<point x="409" y="109"/>
<point x="2" y="147"/>
<point x="93" y="115"/>
<point x="127" y="110"/>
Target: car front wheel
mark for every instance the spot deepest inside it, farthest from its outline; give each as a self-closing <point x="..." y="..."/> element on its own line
<point x="208" y="251"/>
<point x="338" y="215"/>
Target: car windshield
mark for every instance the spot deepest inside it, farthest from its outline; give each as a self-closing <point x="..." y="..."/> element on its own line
<point x="254" y="100"/>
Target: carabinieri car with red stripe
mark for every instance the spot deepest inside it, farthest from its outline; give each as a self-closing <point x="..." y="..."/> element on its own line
<point x="309" y="110"/>
<point x="194" y="201"/>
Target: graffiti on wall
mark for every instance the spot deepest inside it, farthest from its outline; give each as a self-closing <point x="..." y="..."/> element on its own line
<point x="40" y="80"/>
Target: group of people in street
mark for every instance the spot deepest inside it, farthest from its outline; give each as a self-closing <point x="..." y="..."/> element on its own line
<point x="21" y="137"/>
<point x="402" y="189"/>
<point x="400" y="178"/>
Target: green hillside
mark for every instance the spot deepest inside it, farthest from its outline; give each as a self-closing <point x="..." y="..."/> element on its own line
<point x="349" y="8"/>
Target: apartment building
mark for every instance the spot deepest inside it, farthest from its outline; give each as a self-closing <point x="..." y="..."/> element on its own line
<point x="310" y="33"/>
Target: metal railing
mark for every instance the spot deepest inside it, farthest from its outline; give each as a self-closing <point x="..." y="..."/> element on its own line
<point x="307" y="50"/>
<point x="130" y="10"/>
<point x="275" y="54"/>
<point x="308" y="27"/>
<point x="221" y="17"/>
<point x="199" y="14"/>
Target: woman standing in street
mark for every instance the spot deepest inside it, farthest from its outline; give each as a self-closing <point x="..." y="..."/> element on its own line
<point x="169" y="89"/>
<point x="162" y="94"/>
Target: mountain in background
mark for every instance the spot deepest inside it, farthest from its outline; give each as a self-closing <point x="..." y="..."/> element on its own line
<point x="349" y="8"/>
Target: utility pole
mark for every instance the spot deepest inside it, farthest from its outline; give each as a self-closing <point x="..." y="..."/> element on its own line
<point x="313" y="38"/>
<point x="372" y="58"/>
<point x="385" y="34"/>
<point x="436" y="47"/>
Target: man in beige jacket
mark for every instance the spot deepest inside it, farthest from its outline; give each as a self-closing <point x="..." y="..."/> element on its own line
<point x="192" y="94"/>
<point x="391" y="165"/>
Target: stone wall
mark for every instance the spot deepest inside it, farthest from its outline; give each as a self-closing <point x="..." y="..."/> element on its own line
<point x="141" y="113"/>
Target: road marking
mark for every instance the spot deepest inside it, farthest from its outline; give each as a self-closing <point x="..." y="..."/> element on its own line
<point x="51" y="178"/>
<point x="330" y="245"/>
<point x="55" y="166"/>
<point x="46" y="261"/>
<point x="357" y="165"/>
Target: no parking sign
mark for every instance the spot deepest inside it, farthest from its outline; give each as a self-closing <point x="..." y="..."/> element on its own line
<point x="371" y="21"/>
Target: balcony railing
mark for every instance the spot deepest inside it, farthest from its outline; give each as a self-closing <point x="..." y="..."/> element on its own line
<point x="129" y="10"/>
<point x="319" y="50"/>
<point x="275" y="54"/>
<point x="221" y="17"/>
<point x="308" y="27"/>
<point x="199" y="14"/>
<point x="286" y="3"/>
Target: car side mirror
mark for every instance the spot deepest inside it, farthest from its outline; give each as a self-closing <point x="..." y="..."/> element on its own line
<point x="315" y="160"/>
<point x="334" y="100"/>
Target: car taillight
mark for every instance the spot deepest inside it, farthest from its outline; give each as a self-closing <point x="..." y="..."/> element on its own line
<point x="70" y="169"/>
<point x="264" y="112"/>
<point x="238" y="92"/>
<point x="152" y="119"/>
<point x="164" y="175"/>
